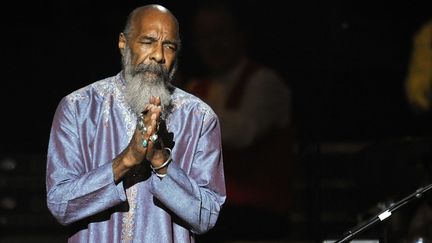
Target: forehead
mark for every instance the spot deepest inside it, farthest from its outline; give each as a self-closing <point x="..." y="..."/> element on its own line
<point x="155" y="23"/>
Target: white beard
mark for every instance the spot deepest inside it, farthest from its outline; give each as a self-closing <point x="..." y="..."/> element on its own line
<point x="142" y="85"/>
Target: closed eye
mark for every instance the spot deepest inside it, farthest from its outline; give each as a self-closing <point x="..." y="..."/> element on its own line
<point x="171" y="46"/>
<point x="147" y="40"/>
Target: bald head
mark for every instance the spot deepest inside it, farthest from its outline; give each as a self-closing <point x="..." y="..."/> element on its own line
<point x="149" y="12"/>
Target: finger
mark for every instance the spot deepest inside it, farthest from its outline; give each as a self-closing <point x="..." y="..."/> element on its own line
<point x="155" y="116"/>
<point x="146" y="109"/>
<point x="150" y="109"/>
<point x="150" y="147"/>
<point x="157" y="101"/>
<point x="137" y="137"/>
<point x="158" y="110"/>
<point x="137" y="145"/>
<point x="152" y="127"/>
<point x="152" y="100"/>
<point x="149" y="122"/>
<point x="150" y="150"/>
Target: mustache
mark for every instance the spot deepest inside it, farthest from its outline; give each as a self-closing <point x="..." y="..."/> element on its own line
<point x="157" y="69"/>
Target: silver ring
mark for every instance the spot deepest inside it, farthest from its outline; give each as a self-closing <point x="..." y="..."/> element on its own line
<point x="145" y="143"/>
<point x="154" y="137"/>
<point x="142" y="127"/>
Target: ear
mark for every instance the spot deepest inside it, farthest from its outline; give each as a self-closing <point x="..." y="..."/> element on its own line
<point x="122" y="43"/>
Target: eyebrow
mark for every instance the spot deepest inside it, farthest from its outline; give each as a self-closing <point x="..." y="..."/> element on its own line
<point x="146" y="37"/>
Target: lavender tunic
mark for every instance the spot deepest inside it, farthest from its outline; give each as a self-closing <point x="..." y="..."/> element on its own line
<point x="94" y="124"/>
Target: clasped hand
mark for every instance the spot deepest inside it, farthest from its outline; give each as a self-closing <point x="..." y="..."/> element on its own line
<point x="145" y="142"/>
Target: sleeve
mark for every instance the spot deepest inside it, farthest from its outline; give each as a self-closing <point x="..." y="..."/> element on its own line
<point x="75" y="192"/>
<point x="196" y="197"/>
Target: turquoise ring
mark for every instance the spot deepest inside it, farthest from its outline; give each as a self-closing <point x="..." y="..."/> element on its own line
<point x="145" y="143"/>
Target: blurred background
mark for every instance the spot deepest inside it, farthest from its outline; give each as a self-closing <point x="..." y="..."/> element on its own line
<point x="359" y="145"/>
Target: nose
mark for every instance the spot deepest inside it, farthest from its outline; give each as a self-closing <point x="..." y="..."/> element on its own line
<point x="157" y="54"/>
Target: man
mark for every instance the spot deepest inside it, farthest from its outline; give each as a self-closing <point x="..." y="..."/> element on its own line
<point x="253" y="103"/>
<point x="132" y="158"/>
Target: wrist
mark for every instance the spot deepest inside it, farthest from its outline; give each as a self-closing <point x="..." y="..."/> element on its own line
<point x="162" y="172"/>
<point x="162" y="168"/>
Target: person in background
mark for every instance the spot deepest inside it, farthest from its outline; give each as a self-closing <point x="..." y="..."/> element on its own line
<point x="253" y="103"/>
<point x="418" y="84"/>
<point x="132" y="158"/>
<point x="418" y="91"/>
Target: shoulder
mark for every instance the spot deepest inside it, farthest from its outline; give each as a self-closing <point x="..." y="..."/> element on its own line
<point x="266" y="73"/>
<point x="185" y="101"/>
<point x="257" y="73"/>
<point x="265" y="77"/>
<point x="94" y="91"/>
<point x="90" y="97"/>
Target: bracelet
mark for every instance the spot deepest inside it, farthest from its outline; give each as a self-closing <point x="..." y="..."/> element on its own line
<point x="164" y="164"/>
<point x="160" y="175"/>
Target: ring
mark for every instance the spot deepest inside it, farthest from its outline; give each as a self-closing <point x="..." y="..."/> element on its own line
<point x="145" y="143"/>
<point x="154" y="137"/>
<point x="142" y="127"/>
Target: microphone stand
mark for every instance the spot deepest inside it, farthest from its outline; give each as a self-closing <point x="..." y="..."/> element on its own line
<point x="383" y="215"/>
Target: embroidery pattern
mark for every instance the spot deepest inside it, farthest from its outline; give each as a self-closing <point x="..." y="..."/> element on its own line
<point x="129" y="217"/>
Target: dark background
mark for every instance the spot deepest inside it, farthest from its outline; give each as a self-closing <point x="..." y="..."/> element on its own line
<point x="345" y="61"/>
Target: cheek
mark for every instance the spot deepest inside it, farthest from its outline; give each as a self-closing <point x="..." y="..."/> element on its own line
<point x="138" y="56"/>
<point x="139" y="59"/>
<point x="169" y="61"/>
